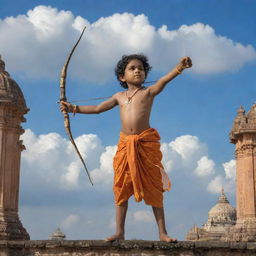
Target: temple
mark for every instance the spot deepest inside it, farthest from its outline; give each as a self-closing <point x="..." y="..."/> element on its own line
<point x="221" y="217"/>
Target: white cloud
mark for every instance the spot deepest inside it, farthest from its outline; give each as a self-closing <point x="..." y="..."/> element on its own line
<point x="187" y="153"/>
<point x="143" y="216"/>
<point x="230" y="169"/>
<point x="53" y="160"/>
<point x="104" y="174"/>
<point x="205" y="166"/>
<point x="70" y="221"/>
<point x="43" y="157"/>
<point x="168" y="157"/>
<point x="53" y="32"/>
<point x="212" y="53"/>
<point x="216" y="184"/>
<point x="70" y="179"/>
<point x="50" y="161"/>
<point x="227" y="180"/>
<point x="188" y="147"/>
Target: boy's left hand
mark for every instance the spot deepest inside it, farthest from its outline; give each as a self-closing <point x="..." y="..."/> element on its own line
<point x="185" y="62"/>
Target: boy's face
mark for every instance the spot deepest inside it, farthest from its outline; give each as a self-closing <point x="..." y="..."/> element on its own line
<point x="134" y="73"/>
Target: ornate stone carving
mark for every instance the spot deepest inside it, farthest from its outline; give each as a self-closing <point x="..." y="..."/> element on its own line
<point x="12" y="109"/>
<point x="221" y="217"/>
<point x="244" y="231"/>
<point x="245" y="150"/>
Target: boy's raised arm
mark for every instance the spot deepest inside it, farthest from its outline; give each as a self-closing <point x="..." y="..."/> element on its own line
<point x="89" y="109"/>
<point x="156" y="88"/>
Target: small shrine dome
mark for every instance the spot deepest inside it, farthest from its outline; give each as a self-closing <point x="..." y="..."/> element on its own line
<point x="10" y="91"/>
<point x="58" y="235"/>
<point x="221" y="218"/>
<point x="222" y="212"/>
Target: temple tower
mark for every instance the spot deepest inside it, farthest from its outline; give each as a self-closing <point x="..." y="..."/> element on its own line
<point x="12" y="109"/>
<point x="243" y="135"/>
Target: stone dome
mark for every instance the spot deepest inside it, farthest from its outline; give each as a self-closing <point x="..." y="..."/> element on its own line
<point x="221" y="218"/>
<point x="222" y="212"/>
<point x="10" y="91"/>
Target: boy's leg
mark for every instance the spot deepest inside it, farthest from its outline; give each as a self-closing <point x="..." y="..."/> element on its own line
<point x="120" y="222"/>
<point x="159" y="215"/>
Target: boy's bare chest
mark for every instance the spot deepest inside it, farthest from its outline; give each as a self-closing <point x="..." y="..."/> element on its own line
<point x="129" y="100"/>
<point x="136" y="104"/>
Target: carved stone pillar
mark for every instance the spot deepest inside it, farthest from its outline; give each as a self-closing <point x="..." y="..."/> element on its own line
<point x="12" y="109"/>
<point x="243" y="135"/>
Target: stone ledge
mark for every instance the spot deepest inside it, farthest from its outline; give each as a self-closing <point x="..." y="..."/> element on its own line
<point x="124" y="248"/>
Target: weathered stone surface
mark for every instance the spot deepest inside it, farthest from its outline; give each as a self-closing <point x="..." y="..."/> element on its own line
<point x="125" y="248"/>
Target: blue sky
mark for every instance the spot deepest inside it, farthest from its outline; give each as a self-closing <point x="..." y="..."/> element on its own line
<point x="193" y="115"/>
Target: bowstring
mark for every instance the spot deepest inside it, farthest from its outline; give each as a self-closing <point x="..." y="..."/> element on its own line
<point x="101" y="98"/>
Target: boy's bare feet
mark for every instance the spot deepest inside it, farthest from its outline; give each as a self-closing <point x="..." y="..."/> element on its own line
<point x="115" y="237"/>
<point x="166" y="238"/>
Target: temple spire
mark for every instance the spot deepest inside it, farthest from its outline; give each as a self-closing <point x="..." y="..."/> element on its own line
<point x="223" y="198"/>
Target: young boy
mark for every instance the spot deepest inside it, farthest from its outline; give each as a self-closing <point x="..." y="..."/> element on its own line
<point x="137" y="164"/>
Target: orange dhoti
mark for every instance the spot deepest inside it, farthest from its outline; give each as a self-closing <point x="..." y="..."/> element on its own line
<point x="138" y="169"/>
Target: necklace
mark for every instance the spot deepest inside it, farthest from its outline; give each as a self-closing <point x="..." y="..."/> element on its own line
<point x="129" y="98"/>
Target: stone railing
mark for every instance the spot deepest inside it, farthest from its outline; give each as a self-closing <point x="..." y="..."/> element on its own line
<point x="124" y="248"/>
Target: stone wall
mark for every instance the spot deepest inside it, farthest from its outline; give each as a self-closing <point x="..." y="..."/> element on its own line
<point x="124" y="248"/>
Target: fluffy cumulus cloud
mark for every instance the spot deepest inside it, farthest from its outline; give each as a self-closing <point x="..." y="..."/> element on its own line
<point x="51" y="161"/>
<point x="230" y="169"/>
<point x="184" y="153"/>
<point x="53" y="32"/>
<point x="187" y="154"/>
<point x="104" y="174"/>
<point x="226" y="180"/>
<point x="188" y="146"/>
<point x="205" y="166"/>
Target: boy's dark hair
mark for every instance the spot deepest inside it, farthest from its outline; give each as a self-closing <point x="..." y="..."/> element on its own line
<point x="121" y="65"/>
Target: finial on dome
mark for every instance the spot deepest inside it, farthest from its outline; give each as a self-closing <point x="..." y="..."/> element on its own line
<point x="223" y="198"/>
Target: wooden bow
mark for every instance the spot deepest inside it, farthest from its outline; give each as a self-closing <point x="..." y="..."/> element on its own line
<point x="64" y="98"/>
